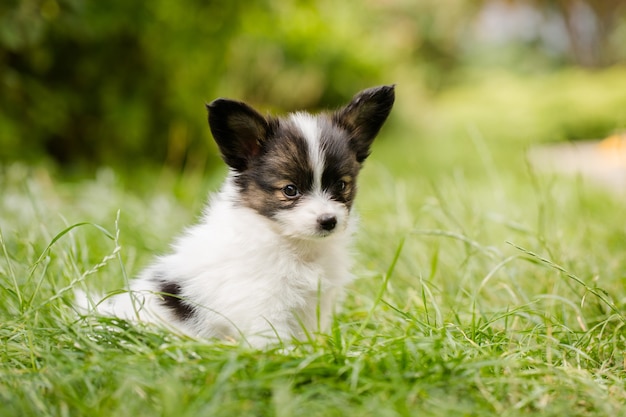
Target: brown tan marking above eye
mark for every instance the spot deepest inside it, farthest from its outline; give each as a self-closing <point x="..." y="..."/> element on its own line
<point x="344" y="183"/>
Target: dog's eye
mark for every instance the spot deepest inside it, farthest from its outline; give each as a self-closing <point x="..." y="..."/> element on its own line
<point x="341" y="185"/>
<point x="291" y="191"/>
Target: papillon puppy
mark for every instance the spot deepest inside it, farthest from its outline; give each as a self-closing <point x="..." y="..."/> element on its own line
<point x="270" y="256"/>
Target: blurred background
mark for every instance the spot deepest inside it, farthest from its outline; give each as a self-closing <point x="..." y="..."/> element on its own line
<point x="123" y="83"/>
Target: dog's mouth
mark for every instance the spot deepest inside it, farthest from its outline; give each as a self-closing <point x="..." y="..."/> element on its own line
<point x="304" y="223"/>
<point x="316" y="235"/>
<point x="323" y="234"/>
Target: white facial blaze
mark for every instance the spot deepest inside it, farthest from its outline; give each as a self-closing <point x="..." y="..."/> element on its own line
<point x="311" y="132"/>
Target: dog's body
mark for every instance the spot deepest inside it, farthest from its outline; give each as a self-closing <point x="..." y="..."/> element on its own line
<point x="270" y="256"/>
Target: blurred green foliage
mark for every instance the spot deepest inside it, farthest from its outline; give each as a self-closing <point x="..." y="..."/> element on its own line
<point x="116" y="82"/>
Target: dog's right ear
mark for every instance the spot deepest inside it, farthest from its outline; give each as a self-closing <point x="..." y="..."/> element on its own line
<point x="238" y="130"/>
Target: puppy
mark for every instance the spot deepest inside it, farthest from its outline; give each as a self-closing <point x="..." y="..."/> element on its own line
<point x="270" y="256"/>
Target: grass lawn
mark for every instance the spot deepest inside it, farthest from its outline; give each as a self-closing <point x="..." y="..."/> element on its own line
<point x="485" y="288"/>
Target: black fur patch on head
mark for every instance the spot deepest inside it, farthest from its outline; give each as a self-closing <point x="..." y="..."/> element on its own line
<point x="341" y="167"/>
<point x="171" y="298"/>
<point x="284" y="160"/>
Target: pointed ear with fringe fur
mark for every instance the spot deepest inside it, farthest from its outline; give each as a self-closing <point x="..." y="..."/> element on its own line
<point x="364" y="116"/>
<point x="238" y="130"/>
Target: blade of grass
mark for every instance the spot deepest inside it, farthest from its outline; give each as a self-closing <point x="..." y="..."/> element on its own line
<point x="11" y="271"/>
<point x="598" y="292"/>
<point x="60" y="235"/>
<point x="380" y="294"/>
<point x="46" y="251"/>
<point x="489" y="251"/>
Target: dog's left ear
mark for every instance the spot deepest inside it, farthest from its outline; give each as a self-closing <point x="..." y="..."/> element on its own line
<point x="364" y="116"/>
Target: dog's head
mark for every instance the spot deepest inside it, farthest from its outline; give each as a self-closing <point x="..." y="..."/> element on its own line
<point x="300" y="171"/>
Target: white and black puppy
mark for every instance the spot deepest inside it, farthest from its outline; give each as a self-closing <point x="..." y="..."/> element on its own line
<point x="271" y="254"/>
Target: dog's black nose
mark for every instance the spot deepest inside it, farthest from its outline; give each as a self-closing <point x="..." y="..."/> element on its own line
<point x="327" y="222"/>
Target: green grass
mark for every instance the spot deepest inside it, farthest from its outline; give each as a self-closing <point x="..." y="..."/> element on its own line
<point x="484" y="289"/>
